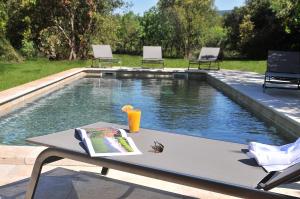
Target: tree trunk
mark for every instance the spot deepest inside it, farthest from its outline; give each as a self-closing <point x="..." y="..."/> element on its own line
<point x="72" y="41"/>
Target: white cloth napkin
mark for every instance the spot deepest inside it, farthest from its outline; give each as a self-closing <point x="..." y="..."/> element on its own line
<point x="274" y="158"/>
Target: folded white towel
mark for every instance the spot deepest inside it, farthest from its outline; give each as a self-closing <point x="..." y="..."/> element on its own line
<point x="264" y="158"/>
<point x="274" y="158"/>
<point x="278" y="167"/>
<point x="254" y="146"/>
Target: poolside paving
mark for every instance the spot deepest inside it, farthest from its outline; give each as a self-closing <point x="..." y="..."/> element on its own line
<point x="285" y="103"/>
<point x="249" y="83"/>
<point x="16" y="161"/>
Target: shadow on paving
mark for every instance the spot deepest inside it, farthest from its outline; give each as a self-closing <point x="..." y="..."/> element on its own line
<point x="62" y="183"/>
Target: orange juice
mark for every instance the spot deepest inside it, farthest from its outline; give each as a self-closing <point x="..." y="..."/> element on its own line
<point x="134" y="119"/>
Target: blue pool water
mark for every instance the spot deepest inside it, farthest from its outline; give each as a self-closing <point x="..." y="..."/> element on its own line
<point x="180" y="106"/>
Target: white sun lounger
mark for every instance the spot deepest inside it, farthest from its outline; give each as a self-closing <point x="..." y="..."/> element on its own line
<point x="103" y="53"/>
<point x="152" y="54"/>
<point x="207" y="56"/>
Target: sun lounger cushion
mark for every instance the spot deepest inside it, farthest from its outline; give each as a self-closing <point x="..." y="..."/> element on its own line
<point x="152" y="53"/>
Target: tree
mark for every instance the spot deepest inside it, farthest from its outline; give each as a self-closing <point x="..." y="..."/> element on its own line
<point x="19" y="21"/>
<point x="195" y="17"/>
<point x="74" y="22"/>
<point x="289" y="12"/>
<point x="130" y="33"/>
<point x="7" y="52"/>
<point x="254" y="29"/>
<point x="3" y="17"/>
<point x="181" y="26"/>
<point x="152" y="27"/>
<point x="231" y="23"/>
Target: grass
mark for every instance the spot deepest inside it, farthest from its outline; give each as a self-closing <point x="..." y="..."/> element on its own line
<point x="13" y="74"/>
<point x="242" y="65"/>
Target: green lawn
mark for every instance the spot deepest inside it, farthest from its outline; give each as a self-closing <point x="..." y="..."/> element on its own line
<point x="12" y="74"/>
<point x="244" y="65"/>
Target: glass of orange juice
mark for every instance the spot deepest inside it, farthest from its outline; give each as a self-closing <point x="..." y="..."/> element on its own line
<point x="134" y="119"/>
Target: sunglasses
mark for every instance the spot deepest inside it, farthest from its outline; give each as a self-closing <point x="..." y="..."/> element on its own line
<point x="157" y="147"/>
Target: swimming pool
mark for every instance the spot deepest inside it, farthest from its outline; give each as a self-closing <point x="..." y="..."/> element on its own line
<point x="190" y="107"/>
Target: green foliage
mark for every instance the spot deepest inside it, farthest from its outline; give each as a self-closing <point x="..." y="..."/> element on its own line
<point x="129" y="34"/>
<point x="246" y="30"/>
<point x="213" y="36"/>
<point x="182" y="26"/>
<point x="18" y="29"/>
<point x="28" y="49"/>
<point x="260" y="26"/>
<point x="3" y="17"/>
<point x="64" y="29"/>
<point x="76" y="23"/>
<point x="289" y="12"/>
<point x="152" y="25"/>
<point x="105" y="30"/>
<point x="232" y="21"/>
<point x="194" y="17"/>
<point x="7" y="52"/>
<point x="52" y="43"/>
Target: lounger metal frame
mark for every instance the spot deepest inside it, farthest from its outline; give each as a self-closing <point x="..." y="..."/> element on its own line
<point x="50" y="155"/>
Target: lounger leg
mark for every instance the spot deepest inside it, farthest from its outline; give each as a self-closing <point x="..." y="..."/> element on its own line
<point x="264" y="84"/>
<point x="104" y="171"/>
<point x="36" y="172"/>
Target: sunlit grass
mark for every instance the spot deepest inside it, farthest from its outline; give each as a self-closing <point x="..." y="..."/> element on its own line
<point x="243" y="65"/>
<point x="13" y="74"/>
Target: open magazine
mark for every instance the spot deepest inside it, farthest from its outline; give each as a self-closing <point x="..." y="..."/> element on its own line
<point x="107" y="142"/>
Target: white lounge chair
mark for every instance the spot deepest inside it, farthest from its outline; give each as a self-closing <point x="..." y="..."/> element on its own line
<point x="207" y="56"/>
<point x="103" y="53"/>
<point x="152" y="54"/>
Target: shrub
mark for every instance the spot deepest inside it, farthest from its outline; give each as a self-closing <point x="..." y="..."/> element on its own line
<point x="7" y="52"/>
<point x="52" y="44"/>
<point x="28" y="49"/>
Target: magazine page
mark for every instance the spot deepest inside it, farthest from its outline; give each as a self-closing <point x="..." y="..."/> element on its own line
<point x="108" y="142"/>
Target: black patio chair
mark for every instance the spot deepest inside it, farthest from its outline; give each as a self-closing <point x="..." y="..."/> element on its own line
<point x="283" y="67"/>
